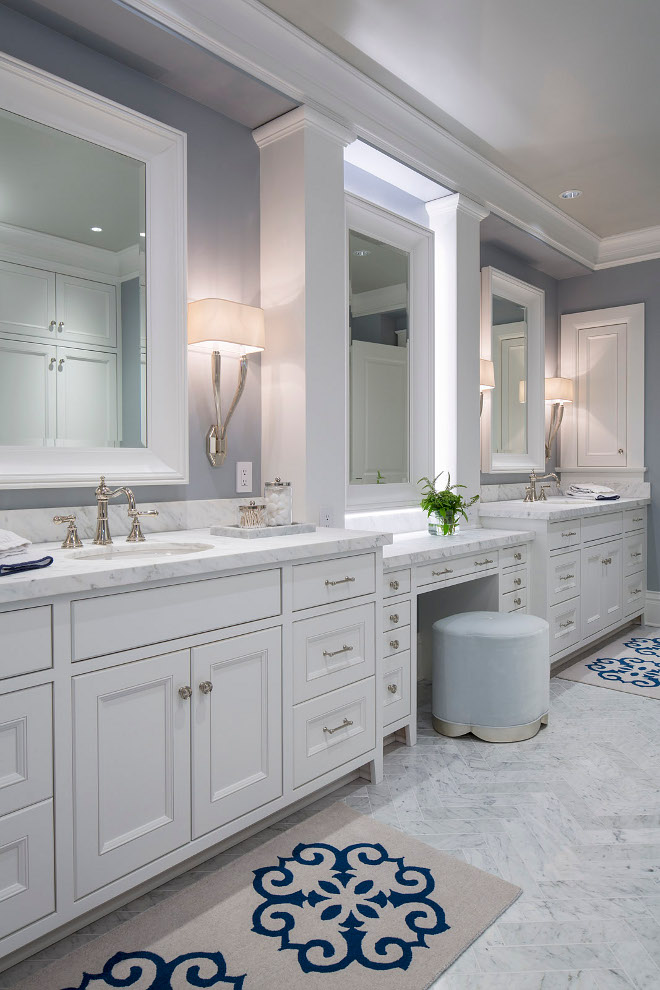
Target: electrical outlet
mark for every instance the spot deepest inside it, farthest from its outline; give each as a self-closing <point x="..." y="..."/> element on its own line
<point x="244" y="476"/>
<point x="325" y="516"/>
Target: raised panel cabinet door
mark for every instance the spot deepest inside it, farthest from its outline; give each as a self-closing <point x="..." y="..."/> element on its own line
<point x="86" y="311"/>
<point x="602" y="396"/>
<point x="237" y="727"/>
<point x="27" y="393"/>
<point x="591" y="597"/>
<point x="131" y="729"/>
<point x="86" y="398"/>
<point x="26" y="747"/>
<point x="612" y="585"/>
<point x="27" y="301"/>
<point x="27" y="867"/>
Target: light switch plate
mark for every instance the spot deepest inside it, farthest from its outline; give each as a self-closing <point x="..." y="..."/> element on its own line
<point x="243" y="476"/>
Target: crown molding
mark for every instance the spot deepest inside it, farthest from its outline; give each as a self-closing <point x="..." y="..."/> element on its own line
<point x="300" y="119"/>
<point x="263" y="44"/>
<point x="456" y="204"/>
<point x="625" y="249"/>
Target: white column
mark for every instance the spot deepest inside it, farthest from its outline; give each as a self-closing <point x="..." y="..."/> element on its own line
<point x="303" y="294"/>
<point x="455" y="222"/>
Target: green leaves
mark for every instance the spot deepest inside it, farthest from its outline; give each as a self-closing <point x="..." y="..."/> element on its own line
<point x="446" y="502"/>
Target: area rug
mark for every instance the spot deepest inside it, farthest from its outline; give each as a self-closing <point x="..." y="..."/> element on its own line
<point x="630" y="664"/>
<point x="339" y="901"/>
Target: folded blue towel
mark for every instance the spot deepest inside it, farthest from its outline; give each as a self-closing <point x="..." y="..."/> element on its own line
<point x="25" y="565"/>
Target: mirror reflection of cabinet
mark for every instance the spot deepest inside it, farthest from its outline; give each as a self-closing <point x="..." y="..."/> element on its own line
<point x="513" y="338"/>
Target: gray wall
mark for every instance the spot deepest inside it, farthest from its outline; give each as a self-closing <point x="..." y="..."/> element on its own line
<point x="498" y="258"/>
<point x="223" y="244"/>
<point x="623" y="286"/>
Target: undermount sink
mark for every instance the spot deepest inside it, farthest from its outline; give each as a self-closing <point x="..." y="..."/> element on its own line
<point x="140" y="550"/>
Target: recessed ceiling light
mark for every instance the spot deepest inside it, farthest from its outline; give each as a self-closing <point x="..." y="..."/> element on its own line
<point x="362" y="253"/>
<point x="96" y="230"/>
<point x="570" y="194"/>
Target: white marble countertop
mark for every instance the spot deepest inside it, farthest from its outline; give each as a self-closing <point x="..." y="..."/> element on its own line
<point x="555" y="509"/>
<point x="422" y="547"/>
<point x="68" y="574"/>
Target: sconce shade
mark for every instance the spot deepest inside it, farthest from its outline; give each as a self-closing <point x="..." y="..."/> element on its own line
<point x="486" y="374"/>
<point x="231" y="328"/>
<point x="558" y="390"/>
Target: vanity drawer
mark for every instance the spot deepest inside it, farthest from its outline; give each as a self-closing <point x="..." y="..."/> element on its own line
<point x="634" y="553"/>
<point x="634" y="519"/>
<point x="602" y="527"/>
<point x="334" y="580"/>
<point x="634" y="593"/>
<point x="563" y="577"/>
<point x="333" y="650"/>
<point x="139" y="618"/>
<point x="513" y="556"/>
<point x="333" y="729"/>
<point x="447" y="570"/>
<point x="513" y="600"/>
<point x="396" y="688"/>
<point x="27" y="881"/>
<point x="564" y="625"/>
<point x="513" y="580"/>
<point x="26" y="747"/>
<point x="396" y="642"/>
<point x="396" y="583"/>
<point x="395" y="616"/>
<point x="563" y="534"/>
<point x="26" y="640"/>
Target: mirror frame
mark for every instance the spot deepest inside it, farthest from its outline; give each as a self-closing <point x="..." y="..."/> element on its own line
<point x="40" y="96"/>
<point x="494" y="282"/>
<point x="374" y="221"/>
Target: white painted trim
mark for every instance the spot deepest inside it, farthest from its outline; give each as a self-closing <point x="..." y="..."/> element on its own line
<point x="652" y="608"/>
<point x="57" y="254"/>
<point x="571" y="323"/>
<point x="32" y="93"/>
<point x="300" y="119"/>
<point x="494" y="282"/>
<point x="376" y="222"/>
<point x="628" y="248"/>
<point x="385" y="300"/>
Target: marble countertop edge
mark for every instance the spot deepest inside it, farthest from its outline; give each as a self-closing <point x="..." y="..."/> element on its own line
<point x="420" y="548"/>
<point x="548" y="512"/>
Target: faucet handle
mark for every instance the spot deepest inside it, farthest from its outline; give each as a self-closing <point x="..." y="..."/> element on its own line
<point x="542" y="495"/>
<point x="136" y="535"/>
<point x="71" y="540"/>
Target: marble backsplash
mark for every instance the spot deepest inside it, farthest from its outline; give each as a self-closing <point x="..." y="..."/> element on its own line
<point x="504" y="493"/>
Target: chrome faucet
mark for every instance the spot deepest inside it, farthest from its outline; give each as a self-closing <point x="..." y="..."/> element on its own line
<point x="103" y="493"/>
<point x="531" y="494"/>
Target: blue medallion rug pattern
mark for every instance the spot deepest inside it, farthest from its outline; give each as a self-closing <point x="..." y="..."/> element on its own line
<point x="148" y="971"/>
<point x="642" y="670"/>
<point x="356" y="905"/>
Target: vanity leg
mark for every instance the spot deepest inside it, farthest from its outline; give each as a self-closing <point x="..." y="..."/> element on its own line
<point x="373" y="771"/>
<point x="410" y="731"/>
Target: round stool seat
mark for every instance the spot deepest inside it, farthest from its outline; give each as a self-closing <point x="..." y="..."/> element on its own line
<point x="491" y="675"/>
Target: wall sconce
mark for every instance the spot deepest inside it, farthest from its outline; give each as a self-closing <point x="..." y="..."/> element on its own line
<point x="219" y="327"/>
<point x="558" y="391"/>
<point x="486" y="380"/>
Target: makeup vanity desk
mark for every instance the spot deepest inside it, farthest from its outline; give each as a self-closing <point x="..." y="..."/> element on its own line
<point x="428" y="577"/>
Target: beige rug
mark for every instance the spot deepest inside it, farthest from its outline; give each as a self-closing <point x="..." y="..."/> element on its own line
<point x="631" y="664"/>
<point x="338" y="901"/>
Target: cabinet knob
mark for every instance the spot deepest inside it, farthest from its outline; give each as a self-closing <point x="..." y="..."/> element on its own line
<point x="394" y="617"/>
<point x="206" y="687"/>
<point x="517" y="556"/>
<point x="52" y="325"/>
<point x="392" y="688"/>
<point x="620" y="450"/>
<point x="394" y="585"/>
<point x="52" y="363"/>
<point x="517" y="582"/>
<point x="517" y="601"/>
<point x="60" y="364"/>
<point x="60" y="326"/>
<point x="394" y="643"/>
<point x="185" y="692"/>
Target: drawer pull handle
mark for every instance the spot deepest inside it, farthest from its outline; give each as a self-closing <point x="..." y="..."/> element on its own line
<point x="447" y="570"/>
<point x="481" y="563"/>
<point x="394" y="617"/>
<point x="517" y="582"/>
<point x="571" y="533"/>
<point x="346" y="580"/>
<point x="636" y="591"/>
<point x="566" y="577"/>
<point x="335" y="653"/>
<point x="392" y="688"/>
<point x="565" y="625"/>
<point x="638" y="518"/>
<point x="206" y="687"/>
<point x="606" y="560"/>
<point x="394" y="585"/>
<point x="394" y="643"/>
<point x="637" y="554"/>
<point x="185" y="692"/>
<point x="517" y="601"/>
<point x="344" y="725"/>
<point x="517" y="556"/>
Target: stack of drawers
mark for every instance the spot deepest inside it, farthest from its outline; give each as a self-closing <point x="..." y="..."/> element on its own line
<point x="396" y="647"/>
<point x="513" y="579"/>
<point x="634" y="559"/>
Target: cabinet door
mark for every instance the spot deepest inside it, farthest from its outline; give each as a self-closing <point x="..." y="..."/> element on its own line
<point x="86" y="311"/>
<point x="26" y="747"/>
<point x="27" y="393"/>
<point x="86" y="398"/>
<point x="612" y="585"/>
<point x="27" y="301"/>
<point x="237" y="731"/>
<point x="131" y="793"/>
<point x="593" y="575"/>
<point x="379" y="412"/>
<point x="27" y="876"/>
<point x="602" y="398"/>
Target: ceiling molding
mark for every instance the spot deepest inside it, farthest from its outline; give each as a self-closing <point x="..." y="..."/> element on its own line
<point x="625" y="249"/>
<point x="456" y="204"/>
<point x="263" y="44"/>
<point x="297" y="120"/>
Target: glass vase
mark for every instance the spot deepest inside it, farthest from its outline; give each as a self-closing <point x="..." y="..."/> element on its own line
<point x="443" y="525"/>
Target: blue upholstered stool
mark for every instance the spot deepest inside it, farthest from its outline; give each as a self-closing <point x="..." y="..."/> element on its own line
<point x="491" y="675"/>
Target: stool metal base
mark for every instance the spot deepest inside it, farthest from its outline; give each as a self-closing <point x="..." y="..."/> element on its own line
<point x="490" y="733"/>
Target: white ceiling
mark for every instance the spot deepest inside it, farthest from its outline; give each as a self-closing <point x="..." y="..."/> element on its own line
<point x="559" y="94"/>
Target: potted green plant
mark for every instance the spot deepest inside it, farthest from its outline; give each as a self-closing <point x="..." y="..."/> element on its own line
<point x="444" y="506"/>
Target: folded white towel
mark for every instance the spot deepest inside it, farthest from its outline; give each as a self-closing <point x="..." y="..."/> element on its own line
<point x="596" y="493"/>
<point x="11" y="543"/>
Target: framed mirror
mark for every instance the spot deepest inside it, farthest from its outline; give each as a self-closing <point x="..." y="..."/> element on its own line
<point x="389" y="363"/>
<point x="513" y="338"/>
<point x="92" y="288"/>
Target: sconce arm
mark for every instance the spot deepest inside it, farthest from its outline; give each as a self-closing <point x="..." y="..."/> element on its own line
<point x="556" y="417"/>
